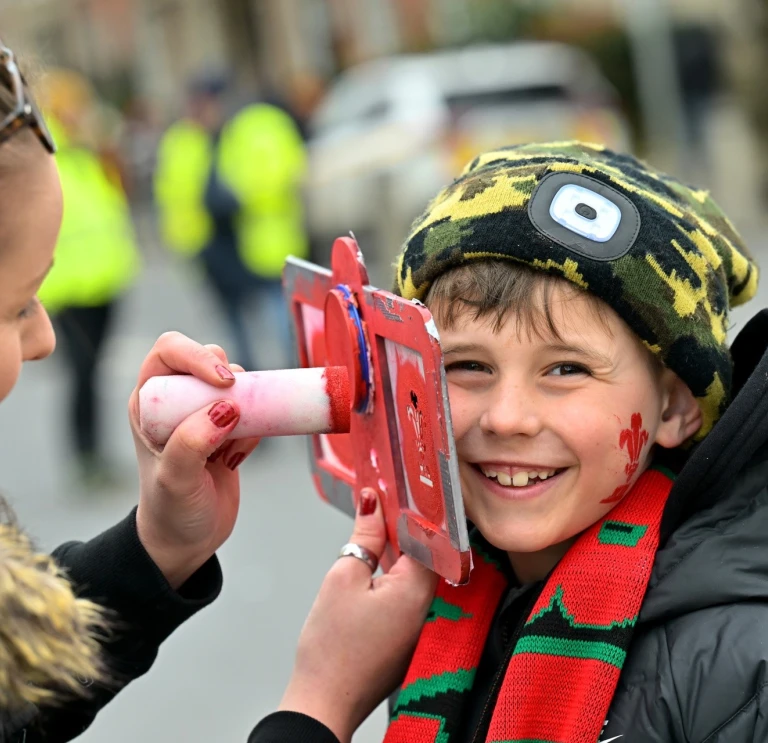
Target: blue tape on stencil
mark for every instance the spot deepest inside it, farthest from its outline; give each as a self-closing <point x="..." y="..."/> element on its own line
<point x="365" y="366"/>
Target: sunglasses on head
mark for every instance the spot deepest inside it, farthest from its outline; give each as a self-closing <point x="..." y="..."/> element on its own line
<point x="24" y="112"/>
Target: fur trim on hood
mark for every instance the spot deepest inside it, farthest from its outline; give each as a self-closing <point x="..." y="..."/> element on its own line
<point x="48" y="636"/>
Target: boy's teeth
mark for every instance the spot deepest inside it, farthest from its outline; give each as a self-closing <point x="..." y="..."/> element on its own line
<point x="520" y="479"/>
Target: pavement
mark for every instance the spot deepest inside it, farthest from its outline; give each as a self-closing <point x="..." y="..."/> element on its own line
<point x="227" y="667"/>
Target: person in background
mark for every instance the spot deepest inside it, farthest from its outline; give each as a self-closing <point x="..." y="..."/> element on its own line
<point x="97" y="259"/>
<point x="228" y="192"/>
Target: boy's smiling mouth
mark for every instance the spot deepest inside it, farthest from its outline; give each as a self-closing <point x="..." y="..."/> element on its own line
<point x="517" y="480"/>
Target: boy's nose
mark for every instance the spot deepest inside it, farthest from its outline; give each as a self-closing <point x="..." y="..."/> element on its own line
<point x="511" y="411"/>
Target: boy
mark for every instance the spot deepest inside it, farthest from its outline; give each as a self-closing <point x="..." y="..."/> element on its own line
<point x="582" y="302"/>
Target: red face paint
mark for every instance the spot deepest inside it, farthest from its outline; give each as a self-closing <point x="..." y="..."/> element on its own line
<point x="417" y="443"/>
<point x="633" y="440"/>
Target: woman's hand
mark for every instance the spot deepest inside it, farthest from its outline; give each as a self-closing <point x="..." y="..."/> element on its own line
<point x="189" y="489"/>
<point x="360" y="635"/>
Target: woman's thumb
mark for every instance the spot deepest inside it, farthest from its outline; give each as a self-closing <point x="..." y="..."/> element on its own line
<point x="420" y="578"/>
<point x="370" y="529"/>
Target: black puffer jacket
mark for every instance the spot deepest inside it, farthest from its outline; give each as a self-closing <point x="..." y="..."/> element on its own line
<point x="697" y="670"/>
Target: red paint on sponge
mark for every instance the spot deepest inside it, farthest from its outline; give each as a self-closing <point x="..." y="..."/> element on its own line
<point x="341" y="443"/>
<point x="337" y="387"/>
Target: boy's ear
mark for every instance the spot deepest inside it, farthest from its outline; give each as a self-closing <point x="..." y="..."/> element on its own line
<point x="681" y="415"/>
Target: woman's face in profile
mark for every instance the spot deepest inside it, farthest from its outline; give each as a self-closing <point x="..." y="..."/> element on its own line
<point x="30" y="217"/>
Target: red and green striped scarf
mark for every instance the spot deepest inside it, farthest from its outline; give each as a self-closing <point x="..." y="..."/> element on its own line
<point x="566" y="663"/>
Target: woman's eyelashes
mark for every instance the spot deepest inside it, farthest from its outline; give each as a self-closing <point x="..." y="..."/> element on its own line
<point x="28" y="309"/>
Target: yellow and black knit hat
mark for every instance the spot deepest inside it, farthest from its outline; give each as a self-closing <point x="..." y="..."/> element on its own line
<point x="663" y="255"/>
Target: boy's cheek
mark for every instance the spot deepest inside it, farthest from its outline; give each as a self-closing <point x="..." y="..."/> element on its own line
<point x="462" y="412"/>
<point x="465" y="490"/>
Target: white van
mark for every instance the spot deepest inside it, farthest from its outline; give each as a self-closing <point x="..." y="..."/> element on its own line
<point x="392" y="131"/>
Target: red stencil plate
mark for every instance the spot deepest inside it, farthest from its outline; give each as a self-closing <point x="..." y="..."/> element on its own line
<point x="401" y="440"/>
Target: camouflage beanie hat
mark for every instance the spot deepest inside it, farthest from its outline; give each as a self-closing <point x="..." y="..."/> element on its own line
<point x="661" y="254"/>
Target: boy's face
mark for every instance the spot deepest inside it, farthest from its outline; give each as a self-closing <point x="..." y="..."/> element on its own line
<point x="582" y="411"/>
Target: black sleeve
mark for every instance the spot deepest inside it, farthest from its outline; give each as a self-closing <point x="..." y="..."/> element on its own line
<point x="115" y="571"/>
<point x="291" y="727"/>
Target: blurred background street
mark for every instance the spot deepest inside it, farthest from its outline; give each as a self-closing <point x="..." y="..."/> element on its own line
<point x="376" y="104"/>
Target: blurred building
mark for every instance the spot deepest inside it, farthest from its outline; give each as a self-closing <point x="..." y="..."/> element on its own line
<point x="150" y="48"/>
<point x="146" y="48"/>
<point x="293" y="50"/>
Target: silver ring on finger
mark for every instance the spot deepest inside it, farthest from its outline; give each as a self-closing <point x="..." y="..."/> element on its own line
<point x="361" y="553"/>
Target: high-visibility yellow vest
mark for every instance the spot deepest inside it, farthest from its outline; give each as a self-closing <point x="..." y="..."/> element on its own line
<point x="96" y="257"/>
<point x="261" y="158"/>
<point x="184" y="161"/>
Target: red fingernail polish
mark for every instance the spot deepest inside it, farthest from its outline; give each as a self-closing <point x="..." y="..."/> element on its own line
<point x="222" y="414"/>
<point x="367" y="502"/>
<point x="216" y="455"/>
<point x="235" y="461"/>
<point x="224" y="373"/>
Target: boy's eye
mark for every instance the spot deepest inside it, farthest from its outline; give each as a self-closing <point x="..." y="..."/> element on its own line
<point x="568" y="370"/>
<point x="469" y="366"/>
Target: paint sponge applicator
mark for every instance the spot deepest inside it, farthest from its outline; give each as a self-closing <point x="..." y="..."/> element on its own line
<point x="283" y="402"/>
